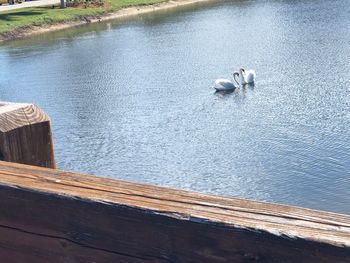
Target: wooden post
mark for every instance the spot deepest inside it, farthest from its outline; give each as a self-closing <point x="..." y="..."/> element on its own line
<point x="25" y="135"/>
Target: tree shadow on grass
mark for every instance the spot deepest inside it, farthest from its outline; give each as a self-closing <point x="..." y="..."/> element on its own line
<point x="15" y="15"/>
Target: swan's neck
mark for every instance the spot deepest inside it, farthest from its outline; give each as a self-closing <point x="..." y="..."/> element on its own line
<point x="242" y="79"/>
<point x="236" y="74"/>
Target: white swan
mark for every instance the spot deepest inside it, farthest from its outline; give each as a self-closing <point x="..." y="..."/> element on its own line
<point x="244" y="76"/>
<point x="225" y="84"/>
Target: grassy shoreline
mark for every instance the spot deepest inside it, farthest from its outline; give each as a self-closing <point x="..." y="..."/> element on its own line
<point x="27" y="21"/>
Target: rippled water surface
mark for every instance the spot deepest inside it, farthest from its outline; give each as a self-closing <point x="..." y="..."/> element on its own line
<point x="134" y="99"/>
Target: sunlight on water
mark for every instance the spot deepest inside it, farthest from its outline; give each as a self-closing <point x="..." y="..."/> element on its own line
<point x="134" y="99"/>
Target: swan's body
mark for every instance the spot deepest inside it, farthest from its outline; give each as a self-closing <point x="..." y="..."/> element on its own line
<point x="240" y="77"/>
<point x="224" y="85"/>
<point x="244" y="76"/>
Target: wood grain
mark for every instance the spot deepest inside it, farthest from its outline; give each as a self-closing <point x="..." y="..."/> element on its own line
<point x="25" y="135"/>
<point x="55" y="216"/>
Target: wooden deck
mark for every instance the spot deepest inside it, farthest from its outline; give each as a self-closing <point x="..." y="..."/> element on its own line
<point x="49" y="215"/>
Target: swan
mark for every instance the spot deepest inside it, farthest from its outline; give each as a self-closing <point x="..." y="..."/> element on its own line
<point x="244" y="76"/>
<point x="225" y="84"/>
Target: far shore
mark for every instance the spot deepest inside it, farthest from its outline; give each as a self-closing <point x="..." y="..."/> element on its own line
<point x="121" y="13"/>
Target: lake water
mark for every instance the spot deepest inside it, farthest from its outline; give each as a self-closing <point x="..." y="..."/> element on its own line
<point x="134" y="100"/>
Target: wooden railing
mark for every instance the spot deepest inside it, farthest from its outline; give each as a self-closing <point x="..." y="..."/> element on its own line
<point x="53" y="216"/>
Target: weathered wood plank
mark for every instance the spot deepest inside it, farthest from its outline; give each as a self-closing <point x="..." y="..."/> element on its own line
<point x="68" y="217"/>
<point x="25" y="135"/>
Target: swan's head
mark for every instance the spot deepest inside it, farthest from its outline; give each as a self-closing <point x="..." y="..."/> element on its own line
<point x="241" y="70"/>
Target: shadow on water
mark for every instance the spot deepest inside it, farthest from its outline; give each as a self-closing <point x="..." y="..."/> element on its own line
<point x="243" y="89"/>
<point x="250" y="86"/>
<point x="224" y="93"/>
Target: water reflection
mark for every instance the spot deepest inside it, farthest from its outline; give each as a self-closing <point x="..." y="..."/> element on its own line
<point x="224" y="93"/>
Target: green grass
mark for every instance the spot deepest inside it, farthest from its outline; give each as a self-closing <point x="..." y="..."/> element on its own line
<point x="16" y="20"/>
